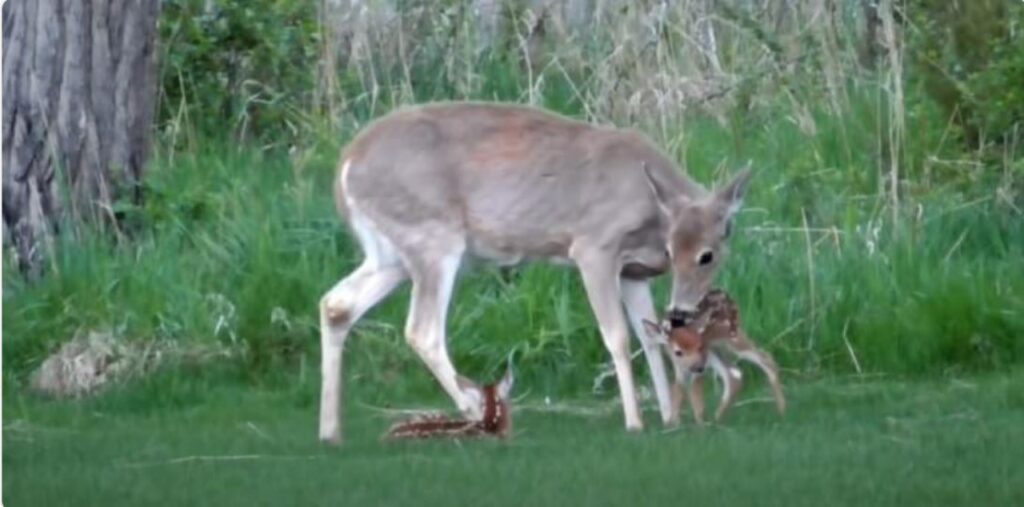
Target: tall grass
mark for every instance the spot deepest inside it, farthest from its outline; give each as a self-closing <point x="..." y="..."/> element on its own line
<point x="238" y="246"/>
<point x="236" y="242"/>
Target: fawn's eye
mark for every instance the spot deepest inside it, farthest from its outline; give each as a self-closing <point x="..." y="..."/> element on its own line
<point x="706" y="257"/>
<point x="678" y="353"/>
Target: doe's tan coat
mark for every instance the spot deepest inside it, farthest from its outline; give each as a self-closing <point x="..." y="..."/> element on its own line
<point x="425" y="187"/>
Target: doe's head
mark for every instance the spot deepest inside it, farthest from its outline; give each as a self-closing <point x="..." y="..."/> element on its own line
<point x="696" y="242"/>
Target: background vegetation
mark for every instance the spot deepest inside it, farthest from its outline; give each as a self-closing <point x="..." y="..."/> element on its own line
<point x="883" y="232"/>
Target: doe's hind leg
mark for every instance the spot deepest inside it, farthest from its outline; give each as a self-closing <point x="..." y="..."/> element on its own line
<point x="340" y="308"/>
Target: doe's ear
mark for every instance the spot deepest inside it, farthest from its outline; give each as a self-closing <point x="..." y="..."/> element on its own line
<point x="668" y="201"/>
<point x="730" y="196"/>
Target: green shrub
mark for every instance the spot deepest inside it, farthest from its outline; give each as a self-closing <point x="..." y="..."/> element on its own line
<point x="239" y="67"/>
<point x="971" y="59"/>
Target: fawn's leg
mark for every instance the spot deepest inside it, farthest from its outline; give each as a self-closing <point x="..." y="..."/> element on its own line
<point x="677" y="393"/>
<point x="746" y="350"/>
<point x="732" y="381"/>
<point x="695" y="387"/>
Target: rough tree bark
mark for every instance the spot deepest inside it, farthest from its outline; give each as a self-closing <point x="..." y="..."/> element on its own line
<point x="79" y="94"/>
<point x="871" y="47"/>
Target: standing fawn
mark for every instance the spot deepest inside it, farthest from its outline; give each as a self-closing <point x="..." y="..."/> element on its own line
<point x="497" y="420"/>
<point x="426" y="188"/>
<point x="696" y="344"/>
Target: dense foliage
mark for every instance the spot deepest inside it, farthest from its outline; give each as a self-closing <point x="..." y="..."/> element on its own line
<point x="835" y="271"/>
<point x="239" y="69"/>
<point x="971" y="58"/>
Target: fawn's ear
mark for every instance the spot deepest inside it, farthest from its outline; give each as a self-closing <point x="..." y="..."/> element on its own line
<point x="505" y="385"/>
<point x="702" y="322"/>
<point x="654" y="332"/>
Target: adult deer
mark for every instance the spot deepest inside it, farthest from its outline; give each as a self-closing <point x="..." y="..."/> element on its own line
<point x="426" y="186"/>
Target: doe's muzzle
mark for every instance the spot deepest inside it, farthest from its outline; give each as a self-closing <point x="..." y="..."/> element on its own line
<point x="678" y="317"/>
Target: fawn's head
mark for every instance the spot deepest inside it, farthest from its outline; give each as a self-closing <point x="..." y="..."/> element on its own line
<point x="688" y="344"/>
<point x="497" y="412"/>
<point x="716" y="318"/>
<point x="696" y="244"/>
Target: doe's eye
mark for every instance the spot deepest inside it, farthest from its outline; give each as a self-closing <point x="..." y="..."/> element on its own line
<point x="706" y="257"/>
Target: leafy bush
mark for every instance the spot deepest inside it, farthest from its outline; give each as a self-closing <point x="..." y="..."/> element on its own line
<point x="245" y="65"/>
<point x="971" y="58"/>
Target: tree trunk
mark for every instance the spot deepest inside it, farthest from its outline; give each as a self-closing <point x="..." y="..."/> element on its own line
<point x="79" y="94"/>
<point x="871" y="47"/>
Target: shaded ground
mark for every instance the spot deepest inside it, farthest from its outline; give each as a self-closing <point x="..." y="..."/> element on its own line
<point x="943" y="442"/>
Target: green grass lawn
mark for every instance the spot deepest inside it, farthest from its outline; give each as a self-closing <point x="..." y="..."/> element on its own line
<point x="844" y="442"/>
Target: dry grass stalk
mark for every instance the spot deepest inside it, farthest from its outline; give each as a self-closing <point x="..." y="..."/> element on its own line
<point x="93" y="360"/>
<point x="641" y="64"/>
<point x="894" y="82"/>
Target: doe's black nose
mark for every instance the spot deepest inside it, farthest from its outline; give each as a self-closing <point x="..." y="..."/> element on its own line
<point x="679" y="318"/>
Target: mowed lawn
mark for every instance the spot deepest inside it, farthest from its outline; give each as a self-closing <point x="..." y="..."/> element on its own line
<point x="844" y="442"/>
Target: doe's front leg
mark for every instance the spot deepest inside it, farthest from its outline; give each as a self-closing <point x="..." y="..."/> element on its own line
<point x="600" y="275"/>
<point x="425" y="329"/>
<point x="636" y="297"/>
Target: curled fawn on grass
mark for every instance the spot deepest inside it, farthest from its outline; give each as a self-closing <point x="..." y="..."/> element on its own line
<point x="497" y="420"/>
<point x="699" y="342"/>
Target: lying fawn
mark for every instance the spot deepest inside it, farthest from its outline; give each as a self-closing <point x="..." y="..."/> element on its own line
<point x="497" y="420"/>
<point x="693" y="345"/>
